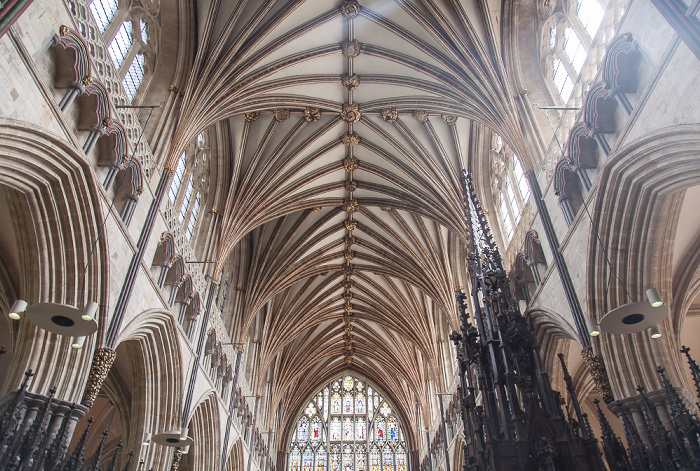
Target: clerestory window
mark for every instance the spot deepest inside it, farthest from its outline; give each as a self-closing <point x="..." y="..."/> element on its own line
<point x="129" y="43"/>
<point x="510" y="188"/>
<point x="571" y="33"/>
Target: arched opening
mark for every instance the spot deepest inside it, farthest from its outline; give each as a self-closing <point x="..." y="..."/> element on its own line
<point x="350" y="425"/>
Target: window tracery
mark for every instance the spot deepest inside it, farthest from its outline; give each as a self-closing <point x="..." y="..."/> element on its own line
<point x="348" y="426"/>
<point x="188" y="198"/>
<point x="510" y="188"/>
<point x="129" y="46"/>
<point x="568" y="36"/>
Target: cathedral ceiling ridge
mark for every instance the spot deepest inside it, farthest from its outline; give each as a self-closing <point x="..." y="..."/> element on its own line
<point x="463" y="59"/>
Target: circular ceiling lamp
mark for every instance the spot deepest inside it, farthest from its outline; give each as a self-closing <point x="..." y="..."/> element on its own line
<point x="635" y="317"/>
<point x="173" y="439"/>
<point x="60" y="319"/>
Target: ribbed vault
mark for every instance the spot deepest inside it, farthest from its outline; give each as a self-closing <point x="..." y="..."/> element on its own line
<point x="349" y="125"/>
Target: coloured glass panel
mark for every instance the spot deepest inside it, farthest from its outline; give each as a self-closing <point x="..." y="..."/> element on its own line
<point x="343" y="415"/>
<point x="308" y="460"/>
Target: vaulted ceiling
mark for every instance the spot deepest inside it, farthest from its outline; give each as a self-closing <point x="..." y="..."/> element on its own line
<point x="349" y="124"/>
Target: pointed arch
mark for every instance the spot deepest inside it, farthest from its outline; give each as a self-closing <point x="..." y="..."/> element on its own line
<point x="57" y="213"/>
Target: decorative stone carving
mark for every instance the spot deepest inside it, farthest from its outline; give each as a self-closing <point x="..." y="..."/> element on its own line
<point x="349" y="255"/>
<point x="316" y="209"/>
<point x="350" y="8"/>
<point x="596" y="366"/>
<point x="351" y="48"/>
<point x="177" y="457"/>
<point x="390" y="115"/>
<point x="350" y="225"/>
<point x="348" y="307"/>
<point x="350" y="205"/>
<point x="281" y="114"/>
<point x="252" y="116"/>
<point x="350" y="82"/>
<point x="386" y="208"/>
<point x="350" y="112"/>
<point x="449" y="119"/>
<point x="347" y="296"/>
<point x="350" y="164"/>
<point x="421" y="116"/>
<point x="350" y="186"/>
<point x="63" y="30"/>
<point x="350" y="240"/>
<point x="101" y="364"/>
<point x="350" y="139"/>
<point x="347" y="284"/>
<point x="312" y="114"/>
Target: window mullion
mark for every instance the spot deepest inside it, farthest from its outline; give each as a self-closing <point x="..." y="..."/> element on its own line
<point x="582" y="34"/>
<point x="133" y="50"/>
<point x="516" y="189"/>
<point x="513" y="222"/>
<point x="573" y="76"/>
<point x="114" y="25"/>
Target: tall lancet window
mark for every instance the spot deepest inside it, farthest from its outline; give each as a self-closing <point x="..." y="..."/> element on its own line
<point x="510" y="189"/>
<point x="188" y="193"/>
<point x="348" y="426"/>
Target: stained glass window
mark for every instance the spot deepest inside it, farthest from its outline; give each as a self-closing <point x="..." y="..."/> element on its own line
<point x="308" y="460"/>
<point x="400" y="458"/>
<point x="294" y="459"/>
<point x="335" y="458"/>
<point x="360" y="460"/>
<point x="360" y="403"/>
<point x="303" y="434"/>
<point x="347" y="426"/>
<point x="374" y="462"/>
<point x="360" y="429"/>
<point x="347" y="429"/>
<point x="335" y="403"/>
<point x="393" y="429"/>
<point x="347" y="403"/>
<point x="388" y="461"/>
<point x="348" y="464"/>
<point x="335" y="429"/>
<point x="379" y="430"/>
<point x="316" y="429"/>
<point x="321" y="457"/>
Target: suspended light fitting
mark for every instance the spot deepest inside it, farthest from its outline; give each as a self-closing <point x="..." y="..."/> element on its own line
<point x="636" y="317"/>
<point x="174" y="439"/>
<point x="60" y="319"/>
<point x="146" y="440"/>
